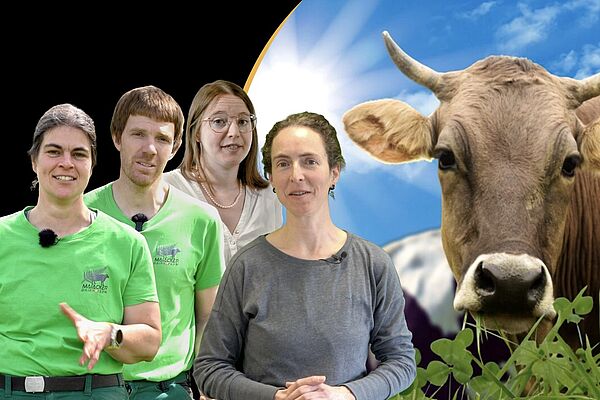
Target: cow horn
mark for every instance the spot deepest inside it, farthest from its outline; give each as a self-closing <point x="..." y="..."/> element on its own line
<point x="410" y="67"/>
<point x="588" y="88"/>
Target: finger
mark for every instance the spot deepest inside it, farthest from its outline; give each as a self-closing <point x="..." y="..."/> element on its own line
<point x="311" y="380"/>
<point x="94" y="355"/>
<point x="303" y="392"/>
<point x="69" y="312"/>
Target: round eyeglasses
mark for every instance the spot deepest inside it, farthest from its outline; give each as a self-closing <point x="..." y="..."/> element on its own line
<point x="220" y="123"/>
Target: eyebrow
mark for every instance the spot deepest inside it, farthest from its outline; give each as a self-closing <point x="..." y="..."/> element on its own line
<point x="57" y="146"/>
<point x="300" y="155"/>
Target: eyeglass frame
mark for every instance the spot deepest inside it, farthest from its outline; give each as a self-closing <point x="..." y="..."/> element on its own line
<point x="230" y="121"/>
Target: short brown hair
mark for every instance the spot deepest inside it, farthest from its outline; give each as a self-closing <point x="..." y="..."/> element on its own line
<point x="151" y="102"/>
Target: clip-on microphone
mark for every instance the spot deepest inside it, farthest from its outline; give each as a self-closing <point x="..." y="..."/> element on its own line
<point x="139" y="220"/>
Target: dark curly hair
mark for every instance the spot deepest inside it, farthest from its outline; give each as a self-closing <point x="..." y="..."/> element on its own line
<point x="315" y="122"/>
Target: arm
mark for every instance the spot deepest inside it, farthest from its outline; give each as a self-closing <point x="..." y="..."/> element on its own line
<point x="221" y="350"/>
<point x="141" y="334"/>
<point x="205" y="299"/>
<point x="390" y="339"/>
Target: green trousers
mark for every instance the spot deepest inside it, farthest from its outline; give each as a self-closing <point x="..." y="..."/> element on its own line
<point x="177" y="388"/>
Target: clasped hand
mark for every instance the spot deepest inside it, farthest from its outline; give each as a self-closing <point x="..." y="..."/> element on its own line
<point x="313" y="387"/>
<point x="94" y="335"/>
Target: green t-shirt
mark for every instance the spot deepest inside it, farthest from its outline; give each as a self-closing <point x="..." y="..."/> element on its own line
<point x="97" y="271"/>
<point x="185" y="240"/>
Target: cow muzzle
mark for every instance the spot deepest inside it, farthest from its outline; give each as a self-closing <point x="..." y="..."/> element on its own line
<point x="509" y="291"/>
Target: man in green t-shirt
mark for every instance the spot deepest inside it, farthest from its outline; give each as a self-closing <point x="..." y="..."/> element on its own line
<point x="183" y="234"/>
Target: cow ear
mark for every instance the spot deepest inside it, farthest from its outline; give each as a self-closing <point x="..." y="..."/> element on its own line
<point x="390" y="130"/>
<point x="589" y="146"/>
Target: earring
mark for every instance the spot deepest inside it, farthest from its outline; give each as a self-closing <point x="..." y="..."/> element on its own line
<point x="34" y="184"/>
<point x="331" y="191"/>
<point x="274" y="190"/>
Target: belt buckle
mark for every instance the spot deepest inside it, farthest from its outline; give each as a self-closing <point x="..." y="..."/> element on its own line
<point x="34" y="384"/>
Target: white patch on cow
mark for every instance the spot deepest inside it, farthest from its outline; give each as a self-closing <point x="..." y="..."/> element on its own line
<point x="425" y="274"/>
<point x="467" y="297"/>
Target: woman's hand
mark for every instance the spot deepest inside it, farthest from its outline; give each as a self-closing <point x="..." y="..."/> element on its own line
<point x="313" y="387"/>
<point x="94" y="335"/>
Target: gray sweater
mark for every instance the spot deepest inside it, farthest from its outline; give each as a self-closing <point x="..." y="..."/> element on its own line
<point x="278" y="318"/>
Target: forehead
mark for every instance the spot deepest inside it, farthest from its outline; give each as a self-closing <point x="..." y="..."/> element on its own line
<point x="227" y="103"/>
<point x="66" y="136"/>
<point x="139" y="122"/>
<point x="298" y="139"/>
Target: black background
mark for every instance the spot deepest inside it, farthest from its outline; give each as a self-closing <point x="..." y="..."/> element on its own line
<point x="90" y="56"/>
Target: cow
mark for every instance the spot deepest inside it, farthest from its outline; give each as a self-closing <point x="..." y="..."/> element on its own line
<point x="518" y="164"/>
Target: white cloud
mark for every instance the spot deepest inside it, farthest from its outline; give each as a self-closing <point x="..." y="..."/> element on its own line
<point x="579" y="64"/>
<point x="480" y="11"/>
<point x="566" y="62"/>
<point x="589" y="62"/>
<point x="590" y="14"/>
<point x="530" y="27"/>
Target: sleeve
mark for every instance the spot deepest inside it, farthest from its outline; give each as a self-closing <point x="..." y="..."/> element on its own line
<point x="211" y="266"/>
<point x="141" y="286"/>
<point x="222" y="346"/>
<point x="390" y="341"/>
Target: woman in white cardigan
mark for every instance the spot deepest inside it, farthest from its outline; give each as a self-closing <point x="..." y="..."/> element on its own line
<point x="220" y="167"/>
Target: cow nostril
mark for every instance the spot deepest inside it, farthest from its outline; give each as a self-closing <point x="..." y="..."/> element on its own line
<point x="484" y="280"/>
<point x="538" y="285"/>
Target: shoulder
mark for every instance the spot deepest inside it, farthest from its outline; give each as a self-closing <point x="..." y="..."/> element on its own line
<point x="98" y="194"/>
<point x="363" y="245"/>
<point x="12" y="221"/>
<point x="265" y="199"/>
<point x="109" y="225"/>
<point x="250" y="252"/>
<point x="195" y="207"/>
<point x="175" y="178"/>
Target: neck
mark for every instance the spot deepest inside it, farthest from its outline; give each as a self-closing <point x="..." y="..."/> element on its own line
<point x="133" y="199"/>
<point x="220" y="178"/>
<point x="308" y="239"/>
<point x="63" y="219"/>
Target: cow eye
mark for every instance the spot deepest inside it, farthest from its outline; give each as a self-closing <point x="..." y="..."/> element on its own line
<point x="570" y="165"/>
<point x="446" y="159"/>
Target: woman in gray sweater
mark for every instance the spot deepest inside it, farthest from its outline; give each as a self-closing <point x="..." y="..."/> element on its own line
<point x="298" y="309"/>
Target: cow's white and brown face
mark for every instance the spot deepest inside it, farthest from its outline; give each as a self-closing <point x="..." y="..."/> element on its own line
<point x="509" y="147"/>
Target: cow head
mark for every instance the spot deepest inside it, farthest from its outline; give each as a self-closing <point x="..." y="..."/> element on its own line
<point x="509" y="146"/>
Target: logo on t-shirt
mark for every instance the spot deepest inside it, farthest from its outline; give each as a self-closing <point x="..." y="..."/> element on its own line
<point x="95" y="280"/>
<point x="167" y="254"/>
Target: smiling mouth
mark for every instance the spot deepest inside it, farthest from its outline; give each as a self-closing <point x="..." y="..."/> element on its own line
<point x="64" y="178"/>
<point x="231" y="147"/>
<point x="145" y="165"/>
<point x="298" y="193"/>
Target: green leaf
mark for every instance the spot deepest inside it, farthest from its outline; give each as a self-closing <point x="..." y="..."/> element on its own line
<point x="583" y="305"/>
<point x="463" y="372"/>
<point x="437" y="372"/>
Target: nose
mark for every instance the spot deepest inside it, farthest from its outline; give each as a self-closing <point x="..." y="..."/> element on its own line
<point x="150" y="147"/>
<point x="500" y="290"/>
<point x="66" y="160"/>
<point x="233" y="128"/>
<point x="498" y="284"/>
<point x="297" y="173"/>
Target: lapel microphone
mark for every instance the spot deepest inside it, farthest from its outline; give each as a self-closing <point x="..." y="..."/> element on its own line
<point x="47" y="238"/>
<point x="139" y="220"/>
<point x="336" y="259"/>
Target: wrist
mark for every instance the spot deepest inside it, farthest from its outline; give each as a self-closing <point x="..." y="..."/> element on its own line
<point x="116" y="337"/>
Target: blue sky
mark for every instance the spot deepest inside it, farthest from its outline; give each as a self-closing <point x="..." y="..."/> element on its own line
<point x="329" y="56"/>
